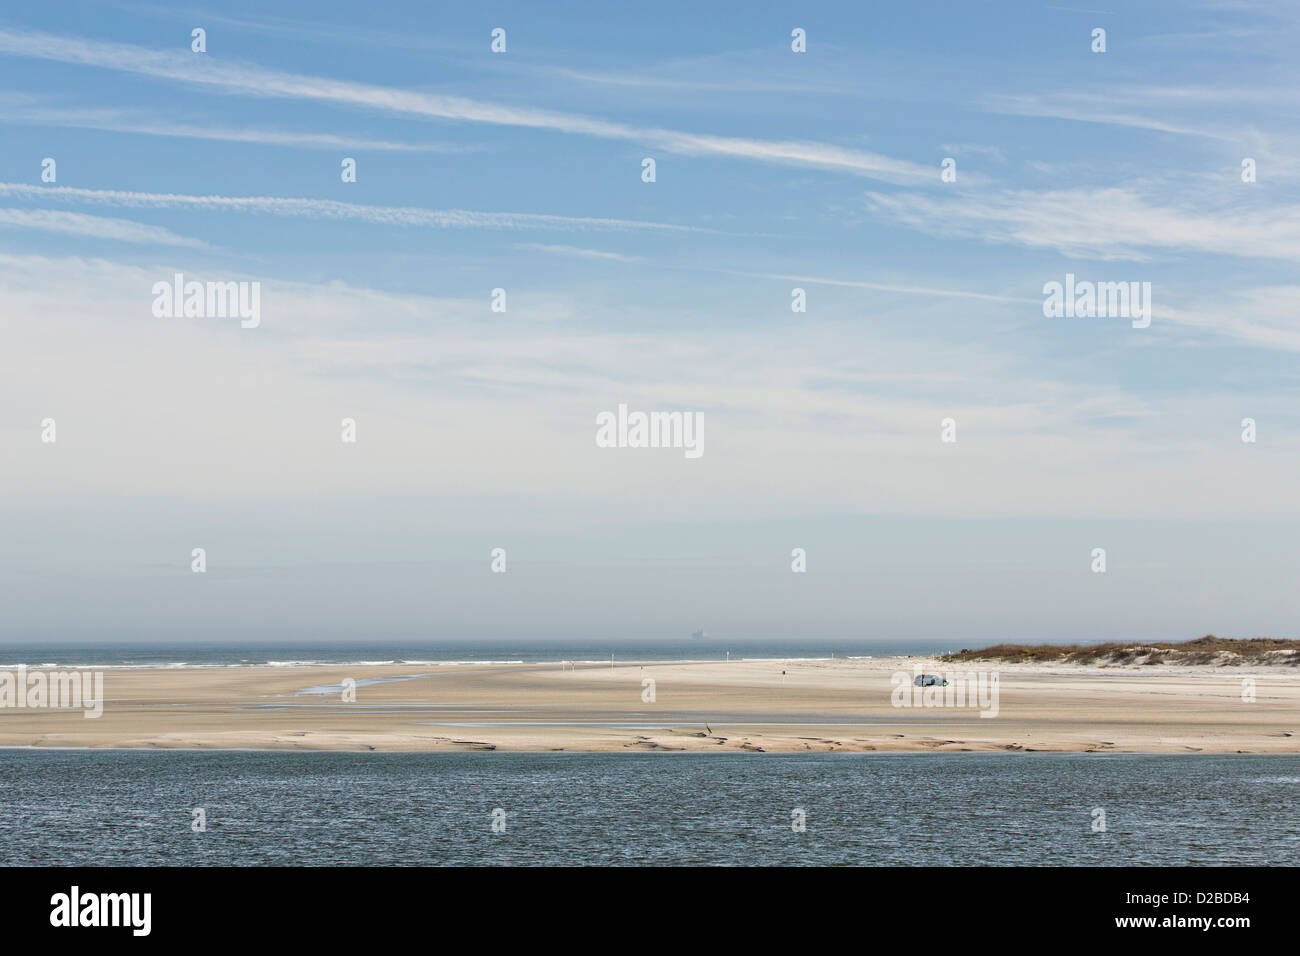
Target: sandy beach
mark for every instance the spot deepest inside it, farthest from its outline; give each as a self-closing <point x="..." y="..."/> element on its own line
<point x="816" y="705"/>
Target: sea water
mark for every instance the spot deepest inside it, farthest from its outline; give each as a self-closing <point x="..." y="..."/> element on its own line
<point x="134" y="807"/>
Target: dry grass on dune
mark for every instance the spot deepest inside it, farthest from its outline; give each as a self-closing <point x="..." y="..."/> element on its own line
<point x="1224" y="651"/>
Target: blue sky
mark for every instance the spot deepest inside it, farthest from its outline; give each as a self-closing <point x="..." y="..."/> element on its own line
<point x="774" y="170"/>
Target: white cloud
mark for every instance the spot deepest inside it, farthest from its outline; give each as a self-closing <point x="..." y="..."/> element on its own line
<point x="119" y="121"/>
<point x="255" y="81"/>
<point x="1102" y="223"/>
<point x="500" y="410"/>
<point x="93" y="227"/>
<point x="1088" y="108"/>
<point x="332" y="209"/>
<point x="907" y="289"/>
<point x="578" y="252"/>
<point x="1263" y="317"/>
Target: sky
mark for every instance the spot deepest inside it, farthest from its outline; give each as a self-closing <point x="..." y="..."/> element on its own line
<point x="774" y="170"/>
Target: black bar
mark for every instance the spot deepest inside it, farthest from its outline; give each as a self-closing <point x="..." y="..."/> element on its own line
<point x="335" y="904"/>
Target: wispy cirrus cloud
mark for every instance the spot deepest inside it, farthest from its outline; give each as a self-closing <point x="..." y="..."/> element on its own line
<point x="333" y="209"/>
<point x="888" y="287"/>
<point x="1200" y="110"/>
<point x="93" y="227"/>
<point x="1101" y="108"/>
<point x="578" y="252"/>
<point x="1211" y="114"/>
<point x="726" y="72"/>
<point x="300" y="29"/>
<point x="1101" y="223"/>
<point x="1263" y="317"/>
<point x="249" y="80"/>
<point x="120" y="121"/>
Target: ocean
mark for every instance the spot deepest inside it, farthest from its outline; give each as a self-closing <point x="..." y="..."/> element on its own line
<point x="134" y="807"/>
<point x="189" y="653"/>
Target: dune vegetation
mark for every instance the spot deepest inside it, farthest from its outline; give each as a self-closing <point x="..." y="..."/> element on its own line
<point x="1224" y="651"/>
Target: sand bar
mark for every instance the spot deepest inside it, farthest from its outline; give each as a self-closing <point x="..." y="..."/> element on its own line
<point x="713" y="706"/>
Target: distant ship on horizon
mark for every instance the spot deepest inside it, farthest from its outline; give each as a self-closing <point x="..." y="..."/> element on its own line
<point x="699" y="635"/>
